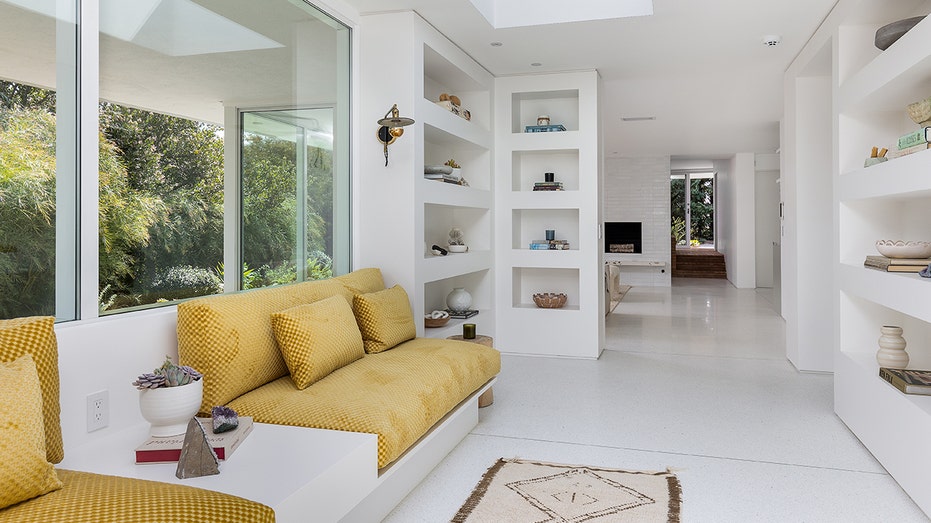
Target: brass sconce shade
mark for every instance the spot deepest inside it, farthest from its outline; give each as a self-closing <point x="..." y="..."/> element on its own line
<point x="391" y="128"/>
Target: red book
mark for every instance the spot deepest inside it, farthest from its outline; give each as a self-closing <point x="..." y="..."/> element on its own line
<point x="168" y="449"/>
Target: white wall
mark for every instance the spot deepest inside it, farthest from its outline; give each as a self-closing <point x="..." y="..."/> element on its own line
<point x="637" y="190"/>
<point x="736" y="220"/>
<point x="766" y="211"/>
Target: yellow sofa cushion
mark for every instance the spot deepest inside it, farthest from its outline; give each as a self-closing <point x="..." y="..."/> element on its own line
<point x="398" y="394"/>
<point x="317" y="338"/>
<point x="385" y="318"/>
<point x="229" y="337"/>
<point x="36" y="336"/>
<point x="95" y="498"/>
<point x="24" y="471"/>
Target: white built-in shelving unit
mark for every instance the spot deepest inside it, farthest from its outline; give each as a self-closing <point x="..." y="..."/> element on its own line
<point x="523" y="215"/>
<point x="406" y="212"/>
<point x="871" y="89"/>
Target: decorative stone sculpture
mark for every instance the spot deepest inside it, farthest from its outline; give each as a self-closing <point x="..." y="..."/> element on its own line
<point x="225" y="419"/>
<point x="197" y="456"/>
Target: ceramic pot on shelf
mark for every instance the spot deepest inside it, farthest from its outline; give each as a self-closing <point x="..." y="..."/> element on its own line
<point x="459" y="300"/>
<point x="169" y="409"/>
<point x="891" y="351"/>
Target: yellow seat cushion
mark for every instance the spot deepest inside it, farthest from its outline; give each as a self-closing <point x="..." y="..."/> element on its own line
<point x="398" y="394"/>
<point x="95" y="498"/>
<point x="24" y="471"/>
<point x="317" y="338"/>
<point x="229" y="337"/>
<point x="385" y="318"/>
<point x="36" y="336"/>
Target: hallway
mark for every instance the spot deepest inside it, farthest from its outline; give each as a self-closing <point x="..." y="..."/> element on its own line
<point x="694" y="379"/>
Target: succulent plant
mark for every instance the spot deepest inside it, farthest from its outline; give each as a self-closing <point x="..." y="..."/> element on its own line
<point x="452" y="163"/>
<point x="168" y="375"/>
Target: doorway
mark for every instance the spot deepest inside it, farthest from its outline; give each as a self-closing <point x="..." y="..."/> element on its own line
<point x="692" y="197"/>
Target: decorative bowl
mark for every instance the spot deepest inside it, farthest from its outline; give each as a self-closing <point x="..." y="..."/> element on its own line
<point x="435" y="319"/>
<point x="904" y="249"/>
<point x="550" y="300"/>
<point x="889" y="33"/>
<point x="458" y="248"/>
<point x="168" y="409"/>
<point x="920" y="112"/>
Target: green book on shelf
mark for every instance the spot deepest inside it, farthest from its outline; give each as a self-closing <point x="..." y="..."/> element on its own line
<point x="916" y="138"/>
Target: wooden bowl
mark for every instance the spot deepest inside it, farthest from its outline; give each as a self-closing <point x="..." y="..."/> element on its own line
<point x="550" y="300"/>
<point x="431" y="323"/>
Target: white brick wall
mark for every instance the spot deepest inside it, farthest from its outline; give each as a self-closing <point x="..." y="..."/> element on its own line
<point x="637" y="190"/>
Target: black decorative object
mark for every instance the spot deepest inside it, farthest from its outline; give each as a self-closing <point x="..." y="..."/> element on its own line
<point x="439" y="250"/>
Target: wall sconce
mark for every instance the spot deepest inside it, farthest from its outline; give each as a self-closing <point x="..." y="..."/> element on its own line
<point x="390" y="128"/>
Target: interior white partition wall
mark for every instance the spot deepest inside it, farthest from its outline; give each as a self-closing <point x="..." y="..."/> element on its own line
<point x="735" y="212"/>
<point x="807" y="190"/>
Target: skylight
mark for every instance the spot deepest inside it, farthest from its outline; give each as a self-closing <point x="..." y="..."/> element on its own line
<point x="515" y="13"/>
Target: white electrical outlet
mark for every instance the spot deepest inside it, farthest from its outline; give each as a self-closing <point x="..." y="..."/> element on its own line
<point x="98" y="410"/>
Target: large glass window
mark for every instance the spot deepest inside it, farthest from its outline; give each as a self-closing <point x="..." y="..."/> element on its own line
<point x="38" y="183"/>
<point x="175" y="78"/>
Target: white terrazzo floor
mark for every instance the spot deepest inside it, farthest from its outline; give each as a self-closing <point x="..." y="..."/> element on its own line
<point x="695" y="380"/>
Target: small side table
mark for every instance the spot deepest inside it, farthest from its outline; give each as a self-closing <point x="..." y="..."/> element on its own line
<point x="487" y="397"/>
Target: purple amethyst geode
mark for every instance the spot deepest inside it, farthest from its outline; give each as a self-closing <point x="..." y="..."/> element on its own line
<point x="225" y="419"/>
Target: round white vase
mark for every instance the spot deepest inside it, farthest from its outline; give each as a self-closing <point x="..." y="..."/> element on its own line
<point x="891" y="351"/>
<point x="459" y="300"/>
<point x="169" y="409"/>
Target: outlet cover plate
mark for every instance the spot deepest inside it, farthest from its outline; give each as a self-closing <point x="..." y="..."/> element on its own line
<point x="98" y="410"/>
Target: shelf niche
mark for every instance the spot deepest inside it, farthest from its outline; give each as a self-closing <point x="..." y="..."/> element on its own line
<point x="441" y="146"/>
<point x="528" y="281"/>
<point x="473" y="222"/>
<point x="530" y="166"/>
<point x="561" y="106"/>
<point x="479" y="285"/>
<point x="531" y="225"/>
<point x="441" y="76"/>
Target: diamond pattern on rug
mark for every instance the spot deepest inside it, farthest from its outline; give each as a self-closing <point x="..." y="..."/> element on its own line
<point x="578" y="495"/>
<point x="520" y="491"/>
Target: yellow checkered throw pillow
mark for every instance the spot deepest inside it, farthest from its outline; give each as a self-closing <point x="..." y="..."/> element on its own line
<point x="35" y="335"/>
<point x="385" y="318"/>
<point x="317" y="338"/>
<point x="24" y="471"/>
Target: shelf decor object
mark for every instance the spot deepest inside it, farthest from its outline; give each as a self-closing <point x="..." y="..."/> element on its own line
<point x="891" y="351"/>
<point x="169" y="397"/>
<point x="550" y="300"/>
<point x="435" y="319"/>
<point x="390" y="128"/>
<point x="904" y="249"/>
<point x="459" y="300"/>
<point x="890" y="33"/>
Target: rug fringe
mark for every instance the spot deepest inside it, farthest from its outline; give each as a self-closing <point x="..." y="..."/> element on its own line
<point x="478" y="492"/>
<point x="675" y="498"/>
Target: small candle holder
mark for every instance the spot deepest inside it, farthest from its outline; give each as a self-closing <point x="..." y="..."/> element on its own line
<point x="549" y="177"/>
<point x="468" y="331"/>
<point x="550" y="234"/>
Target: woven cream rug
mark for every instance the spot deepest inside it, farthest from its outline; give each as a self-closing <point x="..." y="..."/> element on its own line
<point x="521" y="491"/>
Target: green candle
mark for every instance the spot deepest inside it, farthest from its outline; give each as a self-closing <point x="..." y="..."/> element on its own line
<point x="468" y="331"/>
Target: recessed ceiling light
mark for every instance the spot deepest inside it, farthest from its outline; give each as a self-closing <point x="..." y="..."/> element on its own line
<point x="637" y="118"/>
<point x="496" y="44"/>
<point x="536" y="64"/>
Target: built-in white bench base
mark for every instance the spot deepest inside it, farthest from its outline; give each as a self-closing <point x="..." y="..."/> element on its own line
<point x="303" y="474"/>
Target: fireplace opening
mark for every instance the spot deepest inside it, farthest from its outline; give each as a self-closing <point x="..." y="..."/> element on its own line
<point x="623" y="237"/>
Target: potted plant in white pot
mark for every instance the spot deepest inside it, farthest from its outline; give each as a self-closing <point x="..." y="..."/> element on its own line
<point x="168" y="397"/>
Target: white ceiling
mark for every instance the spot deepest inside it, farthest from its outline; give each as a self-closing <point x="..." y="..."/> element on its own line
<point x="698" y="66"/>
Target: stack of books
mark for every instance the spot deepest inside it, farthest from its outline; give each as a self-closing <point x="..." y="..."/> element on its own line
<point x="881" y="263"/>
<point x="168" y="449"/>
<point x="547" y="186"/>
<point x="544" y="128"/>
<point x="549" y="245"/>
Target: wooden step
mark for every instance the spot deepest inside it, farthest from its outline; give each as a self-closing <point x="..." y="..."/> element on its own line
<point x="699" y="263"/>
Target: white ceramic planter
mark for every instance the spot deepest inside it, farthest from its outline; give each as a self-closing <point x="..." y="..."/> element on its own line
<point x="169" y="409"/>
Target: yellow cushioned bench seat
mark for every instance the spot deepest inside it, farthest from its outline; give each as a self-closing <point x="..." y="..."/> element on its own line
<point x="95" y="498"/>
<point x="397" y="394"/>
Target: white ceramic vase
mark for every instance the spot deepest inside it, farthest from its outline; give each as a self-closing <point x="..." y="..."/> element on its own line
<point x="169" y="409"/>
<point x="891" y="351"/>
<point x="459" y="300"/>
